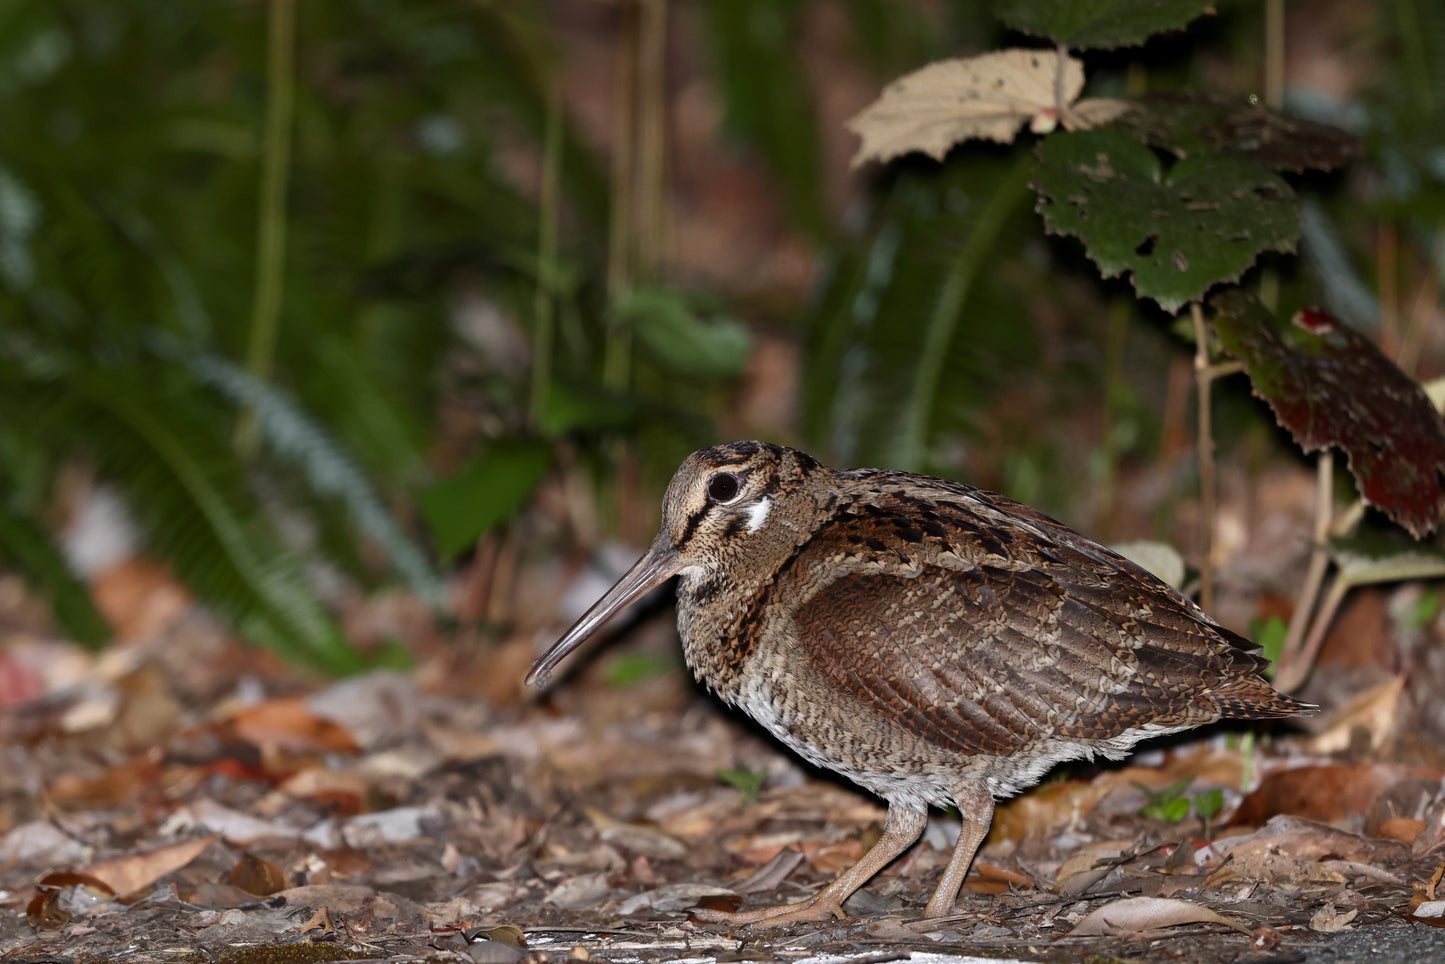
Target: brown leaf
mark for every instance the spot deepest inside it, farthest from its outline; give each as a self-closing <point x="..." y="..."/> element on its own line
<point x="1403" y="829"/>
<point x="256" y="875"/>
<point x="1327" y="794"/>
<point x="44" y="912"/>
<point x="288" y="724"/>
<point x="126" y="875"/>
<point x="1136" y="915"/>
<point x="989" y="97"/>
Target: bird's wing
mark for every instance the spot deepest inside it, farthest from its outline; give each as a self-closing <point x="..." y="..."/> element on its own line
<point x="984" y="626"/>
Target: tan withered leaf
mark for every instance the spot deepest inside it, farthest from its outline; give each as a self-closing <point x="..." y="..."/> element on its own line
<point x="126" y="875"/>
<point x="989" y="97"/>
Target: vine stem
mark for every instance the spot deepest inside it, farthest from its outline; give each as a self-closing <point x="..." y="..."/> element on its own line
<point x="271" y="217"/>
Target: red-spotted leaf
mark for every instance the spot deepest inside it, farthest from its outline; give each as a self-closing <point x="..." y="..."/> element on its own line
<point x="1329" y="385"/>
<point x="1188" y="124"/>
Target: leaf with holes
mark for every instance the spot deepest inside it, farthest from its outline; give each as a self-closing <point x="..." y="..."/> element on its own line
<point x="1176" y="231"/>
<point x="1188" y="124"/>
<point x="1099" y="24"/>
<point x="1328" y="385"/>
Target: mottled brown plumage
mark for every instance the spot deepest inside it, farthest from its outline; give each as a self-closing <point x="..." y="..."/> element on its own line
<point x="936" y="643"/>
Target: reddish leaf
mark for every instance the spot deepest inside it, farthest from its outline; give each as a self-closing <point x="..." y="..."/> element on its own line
<point x="1328" y="385"/>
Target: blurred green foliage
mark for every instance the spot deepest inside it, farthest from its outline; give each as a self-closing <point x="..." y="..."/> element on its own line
<point x="132" y="146"/>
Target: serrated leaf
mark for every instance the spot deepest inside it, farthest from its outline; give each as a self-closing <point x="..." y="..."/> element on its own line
<point x="1328" y="385"/>
<point x="1176" y="231"/>
<point x="487" y="492"/>
<point x="988" y="97"/>
<point x="1186" y="124"/>
<point x="1099" y="24"/>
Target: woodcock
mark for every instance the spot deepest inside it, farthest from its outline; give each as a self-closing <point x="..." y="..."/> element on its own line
<point x="936" y="643"/>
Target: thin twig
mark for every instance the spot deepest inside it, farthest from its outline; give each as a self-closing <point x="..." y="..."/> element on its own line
<point x="1203" y="380"/>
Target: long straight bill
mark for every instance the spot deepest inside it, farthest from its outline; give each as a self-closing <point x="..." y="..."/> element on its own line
<point x="656" y="566"/>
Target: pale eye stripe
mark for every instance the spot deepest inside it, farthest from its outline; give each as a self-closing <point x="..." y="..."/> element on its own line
<point x="758" y="513"/>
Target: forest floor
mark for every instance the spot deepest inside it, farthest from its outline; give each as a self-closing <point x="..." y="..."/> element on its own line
<point x="190" y="800"/>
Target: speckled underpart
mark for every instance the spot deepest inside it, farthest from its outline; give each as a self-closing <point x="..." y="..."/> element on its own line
<point x="934" y="642"/>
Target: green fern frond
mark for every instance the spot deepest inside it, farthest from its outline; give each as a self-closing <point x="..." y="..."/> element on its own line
<point x="30" y="550"/>
<point x="294" y="435"/>
<point x="188" y="494"/>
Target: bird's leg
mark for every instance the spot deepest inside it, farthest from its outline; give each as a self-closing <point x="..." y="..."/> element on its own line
<point x="900" y="829"/>
<point x="975" y="805"/>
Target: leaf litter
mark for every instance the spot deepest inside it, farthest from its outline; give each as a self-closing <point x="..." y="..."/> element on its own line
<point x="399" y="816"/>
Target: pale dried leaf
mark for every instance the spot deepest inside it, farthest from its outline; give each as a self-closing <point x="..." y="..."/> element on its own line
<point x="126" y="875"/>
<point x="1328" y="920"/>
<point x="1135" y="915"/>
<point x="990" y="97"/>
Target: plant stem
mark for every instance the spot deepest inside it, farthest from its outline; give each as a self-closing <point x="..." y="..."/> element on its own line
<point x="1203" y="379"/>
<point x="943" y="320"/>
<point x="271" y="227"/>
<point x="621" y="228"/>
<point x="544" y="301"/>
<point x="1304" y="606"/>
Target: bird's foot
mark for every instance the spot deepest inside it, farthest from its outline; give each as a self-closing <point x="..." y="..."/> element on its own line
<point x="819" y="907"/>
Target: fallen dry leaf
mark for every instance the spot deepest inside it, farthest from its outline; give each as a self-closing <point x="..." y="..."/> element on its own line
<point x="256" y="875"/>
<point x="1375" y="710"/>
<point x="1136" y="915"/>
<point x="289" y="724"/>
<point x="126" y="875"/>
<point x="1328" y="920"/>
<point x="1328" y="794"/>
<point x="989" y="96"/>
<point x="1403" y="829"/>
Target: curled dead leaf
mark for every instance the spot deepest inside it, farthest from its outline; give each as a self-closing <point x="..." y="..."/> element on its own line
<point x="44" y="912"/>
<point x="257" y="876"/>
<point x="1136" y="915"/>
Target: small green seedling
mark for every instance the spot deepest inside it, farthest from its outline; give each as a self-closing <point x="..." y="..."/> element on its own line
<point x="749" y="783"/>
<point x="1167" y="806"/>
<point x="1206" y="807"/>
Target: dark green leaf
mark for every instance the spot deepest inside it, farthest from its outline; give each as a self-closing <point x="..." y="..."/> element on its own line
<point x="1099" y="24"/>
<point x="574" y="405"/>
<point x="1177" y="231"/>
<point x="629" y="669"/>
<point x="1270" y="635"/>
<point x="486" y="493"/>
<point x="1208" y="803"/>
<point x="1190" y="124"/>
<point x="667" y="326"/>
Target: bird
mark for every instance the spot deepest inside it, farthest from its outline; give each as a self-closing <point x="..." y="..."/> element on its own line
<point x="936" y="643"/>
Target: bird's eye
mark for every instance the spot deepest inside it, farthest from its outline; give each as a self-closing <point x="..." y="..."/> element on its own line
<point x="723" y="488"/>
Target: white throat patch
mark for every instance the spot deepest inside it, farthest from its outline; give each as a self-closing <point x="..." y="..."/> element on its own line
<point x="758" y="514"/>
